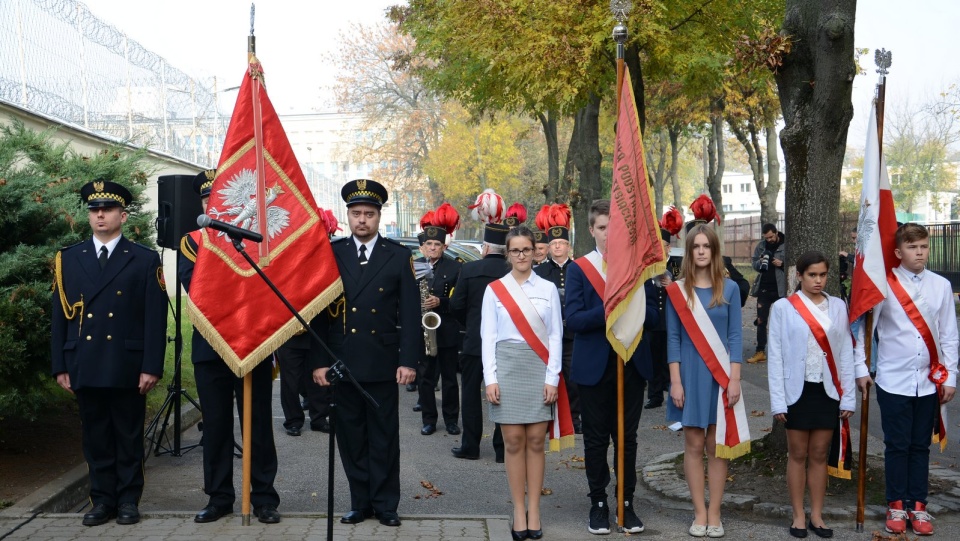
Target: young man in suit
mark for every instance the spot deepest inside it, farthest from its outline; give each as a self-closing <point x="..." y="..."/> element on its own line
<point x="218" y="387"/>
<point x="108" y="337"/>
<point x="379" y="295"/>
<point x="594" y="370"/>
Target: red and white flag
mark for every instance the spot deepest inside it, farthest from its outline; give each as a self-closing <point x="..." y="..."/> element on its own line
<point x="634" y="251"/>
<point x="876" y="229"/>
<point x="260" y="187"/>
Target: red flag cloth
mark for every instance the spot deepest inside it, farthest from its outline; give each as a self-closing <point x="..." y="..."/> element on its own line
<point x="876" y="229"/>
<point x="259" y="186"/>
<point x="634" y="250"/>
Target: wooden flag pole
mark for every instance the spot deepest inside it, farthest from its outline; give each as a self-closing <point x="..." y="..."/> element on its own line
<point x="882" y="58"/>
<point x="620" y="10"/>
<point x="247" y="445"/>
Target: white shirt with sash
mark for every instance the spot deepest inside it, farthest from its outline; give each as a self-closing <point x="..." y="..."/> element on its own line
<point x="496" y="325"/>
<point x="903" y="362"/>
<point x="787" y="349"/>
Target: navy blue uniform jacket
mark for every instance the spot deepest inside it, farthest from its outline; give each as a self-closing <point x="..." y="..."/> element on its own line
<point x="122" y="329"/>
<point x="585" y="318"/>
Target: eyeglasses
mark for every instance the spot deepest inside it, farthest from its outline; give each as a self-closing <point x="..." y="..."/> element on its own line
<point x="516" y="252"/>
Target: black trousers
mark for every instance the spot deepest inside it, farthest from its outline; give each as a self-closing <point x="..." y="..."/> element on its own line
<point x="661" y="370"/>
<point x="907" y="423"/>
<point x="112" y="422"/>
<point x="471" y="375"/>
<point x="599" y="413"/>
<point x="369" y="442"/>
<point x="765" y="299"/>
<point x="217" y="386"/>
<point x="296" y="378"/>
<point x="573" y="395"/>
<point x="443" y="365"/>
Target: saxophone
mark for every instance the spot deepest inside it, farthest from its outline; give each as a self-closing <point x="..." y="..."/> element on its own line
<point x="430" y="321"/>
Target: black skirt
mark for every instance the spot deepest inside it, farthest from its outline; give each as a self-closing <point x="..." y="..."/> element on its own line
<point x="814" y="410"/>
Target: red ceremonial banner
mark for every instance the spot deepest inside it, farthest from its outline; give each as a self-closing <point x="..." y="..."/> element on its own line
<point x="260" y="187"/>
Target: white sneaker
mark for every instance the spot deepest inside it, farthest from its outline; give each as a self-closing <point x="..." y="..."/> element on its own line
<point x="715" y="531"/>
<point x="698" y="530"/>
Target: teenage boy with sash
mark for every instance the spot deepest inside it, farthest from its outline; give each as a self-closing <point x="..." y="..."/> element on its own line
<point x="916" y="376"/>
<point x="594" y="370"/>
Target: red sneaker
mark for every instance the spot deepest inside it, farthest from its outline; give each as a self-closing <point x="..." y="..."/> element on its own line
<point x="896" y="518"/>
<point x="920" y="520"/>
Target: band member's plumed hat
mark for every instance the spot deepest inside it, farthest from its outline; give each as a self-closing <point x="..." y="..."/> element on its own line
<point x="105" y="194"/>
<point x="495" y="234"/>
<point x="365" y="191"/>
<point x="704" y="212"/>
<point x="540" y="237"/>
<point x="516" y="215"/>
<point x="671" y="223"/>
<point x="554" y="221"/>
<point x="203" y="182"/>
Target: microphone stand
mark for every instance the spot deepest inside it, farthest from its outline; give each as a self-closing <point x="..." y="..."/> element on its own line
<point x="337" y="372"/>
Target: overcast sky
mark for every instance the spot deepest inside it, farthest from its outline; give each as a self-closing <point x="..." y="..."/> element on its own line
<point x="208" y="37"/>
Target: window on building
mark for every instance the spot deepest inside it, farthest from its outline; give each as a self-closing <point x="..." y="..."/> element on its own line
<point x="727" y="188"/>
<point x="727" y="208"/>
<point x="745" y="187"/>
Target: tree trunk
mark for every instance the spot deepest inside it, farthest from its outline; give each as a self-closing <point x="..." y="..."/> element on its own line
<point x="549" y="123"/>
<point x="587" y="160"/>
<point x="674" y="133"/>
<point x="632" y="63"/>
<point x="715" y="160"/>
<point x="814" y="84"/>
<point x="656" y="157"/>
<point x="769" y="198"/>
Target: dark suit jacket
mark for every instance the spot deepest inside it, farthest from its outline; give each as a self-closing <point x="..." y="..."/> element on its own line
<point x="467" y="300"/>
<point x="585" y="318"/>
<point x="200" y="349"/>
<point x="558" y="275"/>
<point x="374" y="327"/>
<point x="442" y="284"/>
<point x="121" y="330"/>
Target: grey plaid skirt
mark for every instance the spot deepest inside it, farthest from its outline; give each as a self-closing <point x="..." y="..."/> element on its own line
<point x="520" y="374"/>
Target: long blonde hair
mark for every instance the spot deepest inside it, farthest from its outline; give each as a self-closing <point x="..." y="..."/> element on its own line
<point x="717" y="270"/>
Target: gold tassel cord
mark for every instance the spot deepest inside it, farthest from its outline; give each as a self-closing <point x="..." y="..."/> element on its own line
<point x="70" y="311"/>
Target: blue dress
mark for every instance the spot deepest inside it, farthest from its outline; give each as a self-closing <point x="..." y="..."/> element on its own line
<point x="700" y="389"/>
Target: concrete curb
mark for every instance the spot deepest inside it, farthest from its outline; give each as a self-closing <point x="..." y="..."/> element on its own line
<point x="71" y="489"/>
<point x="660" y="475"/>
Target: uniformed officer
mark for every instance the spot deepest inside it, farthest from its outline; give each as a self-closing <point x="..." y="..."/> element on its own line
<point x="554" y="269"/>
<point x="379" y="295"/>
<point x="218" y="387"/>
<point x="466" y="304"/>
<point x="541" y="249"/>
<point x="440" y="286"/>
<point x="108" y="336"/>
<point x="658" y="333"/>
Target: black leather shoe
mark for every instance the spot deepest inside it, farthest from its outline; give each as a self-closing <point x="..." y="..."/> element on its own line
<point x="453" y="429"/>
<point x="498" y="459"/>
<point x="304" y="405"/>
<point x="519" y="536"/>
<point x="823" y="532"/>
<point x="293" y="430"/>
<point x="535" y="534"/>
<point x="578" y="428"/>
<point x="417" y="407"/>
<point x="100" y="514"/>
<point x="355" y="516"/>
<point x="799" y="533"/>
<point x="428" y="429"/>
<point x="460" y="453"/>
<point x="267" y="514"/>
<point x="653" y="404"/>
<point x="211" y="513"/>
<point x="411" y="387"/>
<point x="128" y="514"/>
<point x="321" y="426"/>
<point x="389" y="518"/>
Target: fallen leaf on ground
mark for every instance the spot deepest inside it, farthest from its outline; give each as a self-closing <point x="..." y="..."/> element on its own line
<point x="546" y="491"/>
<point x="659" y="427"/>
<point x="757" y="413"/>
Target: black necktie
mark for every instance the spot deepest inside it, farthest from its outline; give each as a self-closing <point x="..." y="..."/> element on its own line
<point x="103" y="257"/>
<point x="363" y="254"/>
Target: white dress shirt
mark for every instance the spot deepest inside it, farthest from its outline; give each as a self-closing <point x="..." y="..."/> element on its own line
<point x="109" y="244"/>
<point x="369" y="244"/>
<point x="903" y="362"/>
<point x="496" y="326"/>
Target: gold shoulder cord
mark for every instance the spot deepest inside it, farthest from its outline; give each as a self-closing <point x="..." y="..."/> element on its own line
<point x="69" y="310"/>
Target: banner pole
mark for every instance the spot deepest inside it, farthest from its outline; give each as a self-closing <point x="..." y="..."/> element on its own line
<point x="620" y="36"/>
<point x="864" y="427"/>
<point x="247" y="445"/>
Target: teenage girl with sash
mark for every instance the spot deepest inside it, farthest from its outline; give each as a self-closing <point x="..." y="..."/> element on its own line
<point x="810" y="370"/>
<point x="521" y="328"/>
<point x="704" y="351"/>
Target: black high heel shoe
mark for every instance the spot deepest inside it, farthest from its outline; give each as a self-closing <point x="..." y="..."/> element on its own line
<point x="519" y="536"/>
<point x="534" y="534"/>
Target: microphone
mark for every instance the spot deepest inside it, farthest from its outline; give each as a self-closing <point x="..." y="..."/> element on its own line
<point x="233" y="231"/>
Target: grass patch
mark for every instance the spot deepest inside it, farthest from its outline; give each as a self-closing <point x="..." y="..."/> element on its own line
<point x="5" y="503"/>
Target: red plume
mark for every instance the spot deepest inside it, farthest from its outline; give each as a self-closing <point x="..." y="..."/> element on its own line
<point x="447" y="217"/>
<point x="672" y="221"/>
<point x="519" y="211"/>
<point x="330" y="222"/>
<point x="543" y="218"/>
<point x="429" y="218"/>
<point x="559" y="215"/>
<point x="704" y="209"/>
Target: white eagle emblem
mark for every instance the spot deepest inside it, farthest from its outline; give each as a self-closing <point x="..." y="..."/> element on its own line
<point x="865" y="227"/>
<point x="240" y="198"/>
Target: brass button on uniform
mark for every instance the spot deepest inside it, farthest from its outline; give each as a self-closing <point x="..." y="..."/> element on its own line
<point x="89" y="316"/>
<point x="119" y="293"/>
<point x="373" y="332"/>
<point x="373" y="310"/>
<point x="109" y="337"/>
<point x="381" y="290"/>
<point x="354" y="309"/>
<point x="89" y="337"/>
<point x="110" y="314"/>
<point x="354" y="331"/>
